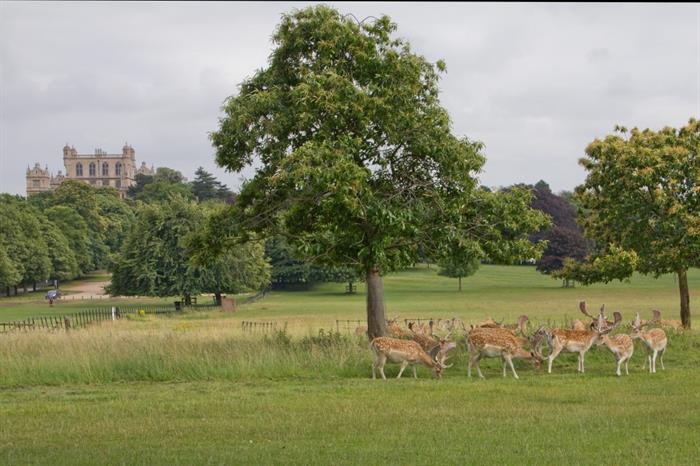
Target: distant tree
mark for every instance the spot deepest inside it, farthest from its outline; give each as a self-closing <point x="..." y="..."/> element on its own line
<point x="288" y="271"/>
<point x="141" y="180"/>
<point x="169" y="175"/>
<point x="564" y="238"/>
<point x="153" y="260"/>
<point x="23" y="240"/>
<point x="642" y="196"/>
<point x="459" y="266"/>
<point x="358" y="164"/>
<point x="205" y="187"/>
<point x="162" y="191"/>
<point x="77" y="234"/>
<point x="64" y="265"/>
<point x="235" y="269"/>
<point x="9" y="275"/>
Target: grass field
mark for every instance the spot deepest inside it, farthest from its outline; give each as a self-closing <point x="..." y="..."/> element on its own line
<point x="195" y="389"/>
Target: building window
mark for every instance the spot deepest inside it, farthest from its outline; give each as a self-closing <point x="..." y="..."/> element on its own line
<point x="118" y="183"/>
<point x="36" y="183"/>
<point x="92" y="170"/>
<point x="105" y="169"/>
<point x="79" y="169"/>
<point x="118" y="169"/>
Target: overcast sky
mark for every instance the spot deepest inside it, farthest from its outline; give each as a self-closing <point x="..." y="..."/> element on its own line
<point x="534" y="82"/>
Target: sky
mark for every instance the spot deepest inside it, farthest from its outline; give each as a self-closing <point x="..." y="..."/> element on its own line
<point x="534" y="82"/>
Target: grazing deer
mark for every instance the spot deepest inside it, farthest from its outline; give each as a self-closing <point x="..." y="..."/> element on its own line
<point x="361" y="330"/>
<point x="405" y="352"/>
<point x="437" y="348"/>
<point x="655" y="341"/>
<point x="576" y="341"/>
<point x="496" y="342"/>
<point x="621" y="345"/>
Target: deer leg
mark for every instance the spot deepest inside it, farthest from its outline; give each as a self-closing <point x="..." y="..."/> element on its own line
<point x="415" y="376"/>
<point x="510" y="362"/>
<point x="653" y="360"/>
<point x="403" y="367"/>
<point x="619" y="363"/>
<point x="551" y="357"/>
<point x="381" y="360"/>
<point x="627" y="372"/>
<point x="661" y="357"/>
<point x="582" y="356"/>
<point x="478" y="366"/>
<point x="504" y="366"/>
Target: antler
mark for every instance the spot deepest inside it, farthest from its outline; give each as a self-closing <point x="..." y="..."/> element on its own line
<point x="584" y="309"/>
<point x="618" y="319"/>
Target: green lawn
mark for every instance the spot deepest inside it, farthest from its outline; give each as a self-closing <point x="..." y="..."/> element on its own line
<point x="194" y="389"/>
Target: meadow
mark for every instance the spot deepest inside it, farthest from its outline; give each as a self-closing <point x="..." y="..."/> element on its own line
<point x="196" y="389"/>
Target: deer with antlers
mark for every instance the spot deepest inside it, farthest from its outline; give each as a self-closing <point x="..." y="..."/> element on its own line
<point x="405" y="352"/>
<point x="621" y="345"/>
<point x="654" y="340"/>
<point x="576" y="341"/>
<point x="395" y="329"/>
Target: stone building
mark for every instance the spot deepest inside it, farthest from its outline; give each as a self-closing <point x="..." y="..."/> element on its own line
<point x="98" y="169"/>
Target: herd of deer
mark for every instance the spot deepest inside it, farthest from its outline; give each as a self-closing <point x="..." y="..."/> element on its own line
<point x="490" y="339"/>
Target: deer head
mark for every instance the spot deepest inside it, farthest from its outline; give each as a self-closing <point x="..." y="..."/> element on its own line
<point x="521" y="323"/>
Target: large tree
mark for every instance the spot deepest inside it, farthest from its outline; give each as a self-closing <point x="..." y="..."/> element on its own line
<point x="642" y="195"/>
<point x="357" y="162"/>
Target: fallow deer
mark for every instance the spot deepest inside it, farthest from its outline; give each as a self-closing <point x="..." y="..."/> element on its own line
<point x="621" y="345"/>
<point x="654" y="340"/>
<point x="496" y="342"/>
<point x="578" y="325"/>
<point x="405" y="352"/>
<point x="676" y="325"/>
<point x="395" y="329"/>
<point x="435" y="346"/>
<point x="575" y="341"/>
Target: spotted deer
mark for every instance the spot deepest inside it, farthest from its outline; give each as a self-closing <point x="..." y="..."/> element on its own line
<point x="435" y="346"/>
<point x="395" y="329"/>
<point x="654" y="340"/>
<point x="576" y="341"/>
<point x="405" y="352"/>
<point x="621" y="345"/>
<point x="578" y="325"/>
<point x="496" y="342"/>
<point x="676" y="325"/>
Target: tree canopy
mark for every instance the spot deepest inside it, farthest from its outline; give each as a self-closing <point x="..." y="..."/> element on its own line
<point x="358" y="164"/>
<point x="642" y="196"/>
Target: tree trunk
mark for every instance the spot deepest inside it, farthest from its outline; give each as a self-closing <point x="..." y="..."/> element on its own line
<point x="685" y="298"/>
<point x="460" y="283"/>
<point x="217" y="297"/>
<point x="188" y="299"/>
<point x="376" y="320"/>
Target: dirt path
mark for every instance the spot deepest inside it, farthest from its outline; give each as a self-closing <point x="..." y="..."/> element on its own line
<point x="86" y="289"/>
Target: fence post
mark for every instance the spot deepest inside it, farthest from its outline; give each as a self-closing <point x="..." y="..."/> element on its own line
<point x="114" y="313"/>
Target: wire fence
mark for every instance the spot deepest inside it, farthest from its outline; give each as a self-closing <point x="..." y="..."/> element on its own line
<point x="82" y="319"/>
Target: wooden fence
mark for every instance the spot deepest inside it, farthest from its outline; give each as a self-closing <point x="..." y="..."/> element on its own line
<point x="262" y="327"/>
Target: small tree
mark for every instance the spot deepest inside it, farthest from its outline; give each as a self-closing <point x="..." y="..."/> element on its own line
<point x="642" y="195"/>
<point x="456" y="267"/>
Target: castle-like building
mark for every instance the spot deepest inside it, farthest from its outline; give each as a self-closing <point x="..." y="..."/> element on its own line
<point x="98" y="169"/>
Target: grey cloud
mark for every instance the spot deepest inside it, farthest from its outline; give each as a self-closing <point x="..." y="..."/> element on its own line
<point x="535" y="82"/>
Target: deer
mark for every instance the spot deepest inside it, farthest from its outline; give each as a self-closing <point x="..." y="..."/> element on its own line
<point x="674" y="324"/>
<point x="576" y="341"/>
<point x="578" y="325"/>
<point x="395" y="330"/>
<point x="405" y="352"/>
<point x="496" y="342"/>
<point x="435" y="346"/>
<point x="655" y="341"/>
<point x="621" y="345"/>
